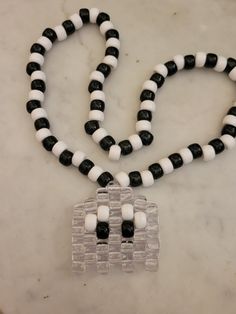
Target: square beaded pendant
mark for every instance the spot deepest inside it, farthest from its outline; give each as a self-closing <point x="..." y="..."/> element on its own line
<point x="115" y="242"/>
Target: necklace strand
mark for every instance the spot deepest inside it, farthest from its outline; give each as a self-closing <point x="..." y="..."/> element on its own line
<point x="143" y="137"/>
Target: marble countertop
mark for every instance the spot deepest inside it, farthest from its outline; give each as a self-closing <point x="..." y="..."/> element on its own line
<point x="197" y="272"/>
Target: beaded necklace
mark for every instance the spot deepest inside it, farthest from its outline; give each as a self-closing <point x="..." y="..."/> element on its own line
<point x="117" y="228"/>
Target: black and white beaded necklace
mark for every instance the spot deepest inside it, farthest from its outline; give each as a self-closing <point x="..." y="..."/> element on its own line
<point x="117" y="228"/>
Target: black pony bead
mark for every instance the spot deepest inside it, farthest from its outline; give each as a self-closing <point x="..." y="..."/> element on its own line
<point x="144" y="115"/>
<point x="50" y="34"/>
<point x="112" y="33"/>
<point x="196" y="150"/>
<point x="107" y="142"/>
<point x="218" y="145"/>
<point x="147" y="95"/>
<point x="126" y="147"/>
<point x="156" y="170"/>
<point x="127" y="229"/>
<point x="105" y="178"/>
<point x="32" y="104"/>
<point x="171" y="67"/>
<point x="102" y="17"/>
<point x="91" y="126"/>
<point x="49" y="142"/>
<point x="102" y="230"/>
<point x="66" y="158"/>
<point x="189" y="62"/>
<point x="94" y="85"/>
<point x="31" y="67"/>
<point x="158" y="79"/>
<point x="104" y="68"/>
<point x="41" y="123"/>
<point x="146" y="137"/>
<point x="84" y="14"/>
<point x="176" y="160"/>
<point x="135" y="178"/>
<point x="229" y="129"/>
<point x="97" y="104"/>
<point x="85" y="166"/>
<point x="69" y="27"/>
<point x="211" y="60"/>
<point x="39" y="85"/>
<point x="232" y="111"/>
<point x="112" y="51"/>
<point x="231" y="63"/>
<point x="37" y="48"/>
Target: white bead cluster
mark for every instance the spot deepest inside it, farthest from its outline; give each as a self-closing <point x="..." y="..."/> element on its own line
<point x="139" y="218"/>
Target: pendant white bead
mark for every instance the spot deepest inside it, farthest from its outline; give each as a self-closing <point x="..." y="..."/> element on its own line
<point x="208" y="152"/>
<point x="97" y="94"/>
<point x="96" y="115"/>
<point x="122" y="178"/>
<point x="186" y="155"/>
<point x="143" y="125"/>
<point x="228" y="140"/>
<point x="35" y="94"/>
<point x="147" y="178"/>
<point x="94" y="173"/>
<point x="148" y="105"/>
<point x="113" y="42"/>
<point x="90" y="222"/>
<point x="230" y="119"/>
<point x="114" y="152"/>
<point x="78" y="157"/>
<point x="58" y="148"/>
<point x="93" y="14"/>
<point x="38" y="75"/>
<point x="127" y="211"/>
<point x="140" y="220"/>
<point x="150" y="85"/>
<point x="135" y="141"/>
<point x="103" y="213"/>
<point x="97" y="76"/>
<point x="38" y="113"/>
<point x="105" y="26"/>
<point x="200" y="59"/>
<point x="220" y="64"/>
<point x="110" y="60"/>
<point x="166" y="165"/>
<point x="99" y="134"/>
<point x="61" y="33"/>
<point x="76" y="20"/>
<point x="41" y="134"/>
<point x="232" y="74"/>
<point x="161" y="69"/>
<point x="36" y="57"/>
<point x="179" y="61"/>
<point x="45" y="42"/>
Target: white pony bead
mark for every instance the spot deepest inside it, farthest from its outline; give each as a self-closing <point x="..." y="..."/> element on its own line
<point x="113" y="42"/>
<point x="94" y="173"/>
<point x="200" y="59"/>
<point x="220" y="64"/>
<point x="96" y="115"/>
<point x="58" y="148"/>
<point x="161" y="69"/>
<point x="228" y="140"/>
<point x="122" y="178"/>
<point x="232" y="74"/>
<point x="179" y="61"/>
<point x="127" y="211"/>
<point x="103" y="213"/>
<point x="186" y="155"/>
<point x="36" y="57"/>
<point x="90" y="223"/>
<point x="150" y="85"/>
<point x="148" y="105"/>
<point x="166" y="165"/>
<point x="230" y="119"/>
<point x="135" y="141"/>
<point x="93" y="14"/>
<point x="97" y="76"/>
<point x="77" y="158"/>
<point x="208" y="152"/>
<point x="99" y="134"/>
<point x="61" y="33"/>
<point x="45" y="42"/>
<point x="41" y="134"/>
<point x="140" y="220"/>
<point x="76" y="20"/>
<point x="110" y="60"/>
<point x="105" y="26"/>
<point x="143" y="125"/>
<point x="38" y="113"/>
<point x="147" y="178"/>
<point x="35" y="94"/>
<point x="38" y="75"/>
<point x="114" y="152"/>
<point x="97" y="94"/>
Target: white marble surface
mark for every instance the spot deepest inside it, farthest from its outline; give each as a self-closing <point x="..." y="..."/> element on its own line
<point x="197" y="271"/>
